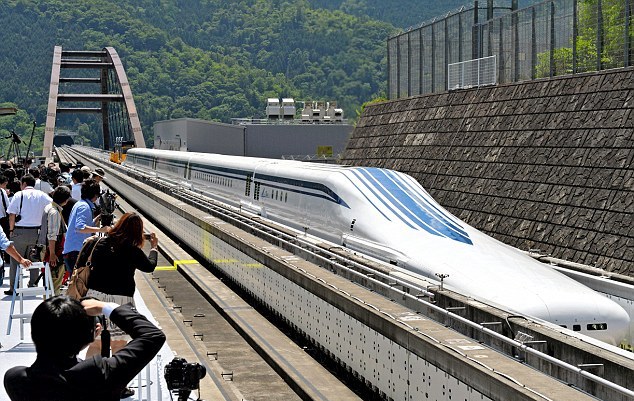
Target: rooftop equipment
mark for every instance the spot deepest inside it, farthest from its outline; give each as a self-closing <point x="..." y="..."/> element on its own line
<point x="288" y="109"/>
<point x="273" y="108"/>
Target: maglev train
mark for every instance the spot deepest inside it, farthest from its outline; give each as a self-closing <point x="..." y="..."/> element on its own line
<point x="389" y="216"/>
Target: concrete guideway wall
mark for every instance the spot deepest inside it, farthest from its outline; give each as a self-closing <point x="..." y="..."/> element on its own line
<point x="545" y="164"/>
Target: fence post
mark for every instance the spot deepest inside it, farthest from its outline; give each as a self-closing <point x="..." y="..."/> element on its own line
<point x="409" y="65"/>
<point x="628" y="38"/>
<point x="398" y="67"/>
<point x="433" y="57"/>
<point x="446" y="29"/>
<point x="389" y="71"/>
<point x="533" y="45"/>
<point x="516" y="42"/>
<point x="460" y="37"/>
<point x="501" y="75"/>
<point x="599" y="34"/>
<point x="552" y="39"/>
<point x="575" y="34"/>
<point x="421" y="46"/>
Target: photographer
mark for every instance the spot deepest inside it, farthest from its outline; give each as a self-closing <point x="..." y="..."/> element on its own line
<point x="25" y="218"/>
<point x="61" y="327"/>
<point x="81" y="223"/>
<point x="114" y="262"/>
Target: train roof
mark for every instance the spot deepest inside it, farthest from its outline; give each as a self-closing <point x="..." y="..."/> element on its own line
<point x="234" y="160"/>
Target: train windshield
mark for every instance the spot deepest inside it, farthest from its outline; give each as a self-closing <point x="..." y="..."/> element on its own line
<point x="405" y="199"/>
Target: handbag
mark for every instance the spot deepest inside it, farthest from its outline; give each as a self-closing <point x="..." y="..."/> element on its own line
<point x="78" y="283"/>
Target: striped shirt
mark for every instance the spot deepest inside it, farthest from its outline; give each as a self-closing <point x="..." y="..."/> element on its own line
<point x="54" y="223"/>
<point x="4" y="203"/>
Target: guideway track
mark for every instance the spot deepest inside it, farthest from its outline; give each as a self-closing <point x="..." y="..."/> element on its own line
<point x="173" y="293"/>
<point x="305" y="378"/>
<point x="364" y="296"/>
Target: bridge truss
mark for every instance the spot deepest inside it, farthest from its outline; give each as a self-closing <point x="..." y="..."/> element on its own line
<point x="107" y="93"/>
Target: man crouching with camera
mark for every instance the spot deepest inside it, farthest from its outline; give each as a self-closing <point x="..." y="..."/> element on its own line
<point x="61" y="327"/>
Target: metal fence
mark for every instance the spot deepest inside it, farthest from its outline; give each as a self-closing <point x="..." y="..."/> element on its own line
<point x="552" y="38"/>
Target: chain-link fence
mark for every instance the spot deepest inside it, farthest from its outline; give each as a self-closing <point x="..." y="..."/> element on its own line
<point x="552" y="38"/>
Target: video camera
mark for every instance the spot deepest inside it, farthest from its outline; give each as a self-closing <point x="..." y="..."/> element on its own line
<point x="184" y="377"/>
<point x="107" y="205"/>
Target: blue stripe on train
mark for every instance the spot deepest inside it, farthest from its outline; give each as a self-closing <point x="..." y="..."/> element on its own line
<point x="397" y="198"/>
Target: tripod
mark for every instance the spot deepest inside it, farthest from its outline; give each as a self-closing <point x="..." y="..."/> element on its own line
<point x="14" y="146"/>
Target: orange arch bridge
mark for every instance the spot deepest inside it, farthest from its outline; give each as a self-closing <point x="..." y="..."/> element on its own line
<point x="113" y="100"/>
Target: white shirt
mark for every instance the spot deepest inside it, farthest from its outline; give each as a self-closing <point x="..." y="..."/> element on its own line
<point x="75" y="191"/>
<point x="43" y="186"/>
<point x="33" y="204"/>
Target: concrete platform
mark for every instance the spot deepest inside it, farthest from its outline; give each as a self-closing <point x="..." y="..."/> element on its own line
<point x="21" y="352"/>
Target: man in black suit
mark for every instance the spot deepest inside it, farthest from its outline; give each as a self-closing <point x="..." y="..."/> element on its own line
<point x="61" y="327"/>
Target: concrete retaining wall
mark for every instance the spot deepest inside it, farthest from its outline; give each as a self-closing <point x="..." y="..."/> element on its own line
<point x="545" y="164"/>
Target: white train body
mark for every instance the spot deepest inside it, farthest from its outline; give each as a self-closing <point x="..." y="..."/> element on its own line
<point x="388" y="215"/>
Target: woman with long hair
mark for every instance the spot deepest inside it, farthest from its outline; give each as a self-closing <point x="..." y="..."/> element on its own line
<point x="114" y="261"/>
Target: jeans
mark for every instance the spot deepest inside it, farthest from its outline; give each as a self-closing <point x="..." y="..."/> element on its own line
<point x="70" y="259"/>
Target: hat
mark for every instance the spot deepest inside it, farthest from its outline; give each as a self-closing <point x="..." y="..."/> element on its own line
<point x="99" y="171"/>
<point x="86" y="169"/>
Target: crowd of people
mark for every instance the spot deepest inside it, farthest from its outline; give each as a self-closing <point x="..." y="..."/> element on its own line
<point x="48" y="213"/>
<point x="36" y="207"/>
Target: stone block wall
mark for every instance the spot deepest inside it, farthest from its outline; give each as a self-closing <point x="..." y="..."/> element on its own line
<point x="544" y="164"/>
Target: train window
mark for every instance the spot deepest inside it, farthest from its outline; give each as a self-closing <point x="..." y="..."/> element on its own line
<point x="564" y="326"/>
<point x="247" y="190"/>
<point x="597" y="326"/>
<point x="576" y="327"/>
<point x="285" y="196"/>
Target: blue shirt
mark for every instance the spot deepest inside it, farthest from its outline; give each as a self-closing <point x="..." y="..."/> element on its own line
<point x="80" y="217"/>
<point x="4" y="241"/>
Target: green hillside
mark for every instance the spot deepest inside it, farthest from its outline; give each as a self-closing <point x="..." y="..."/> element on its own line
<point x="400" y="13"/>
<point x="207" y="59"/>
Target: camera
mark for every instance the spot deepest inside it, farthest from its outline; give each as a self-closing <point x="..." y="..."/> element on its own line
<point x="181" y="375"/>
<point x="147" y="236"/>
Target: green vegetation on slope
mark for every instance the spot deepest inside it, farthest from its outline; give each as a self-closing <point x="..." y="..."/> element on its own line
<point x="207" y="59"/>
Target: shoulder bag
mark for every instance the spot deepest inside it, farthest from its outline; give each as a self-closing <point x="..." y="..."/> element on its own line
<point x="78" y="283"/>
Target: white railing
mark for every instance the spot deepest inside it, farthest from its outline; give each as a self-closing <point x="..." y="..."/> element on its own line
<point x="472" y="73"/>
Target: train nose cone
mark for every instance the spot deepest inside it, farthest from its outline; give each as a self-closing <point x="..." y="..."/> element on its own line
<point x="618" y="322"/>
<point x="597" y="316"/>
<point x="586" y="311"/>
